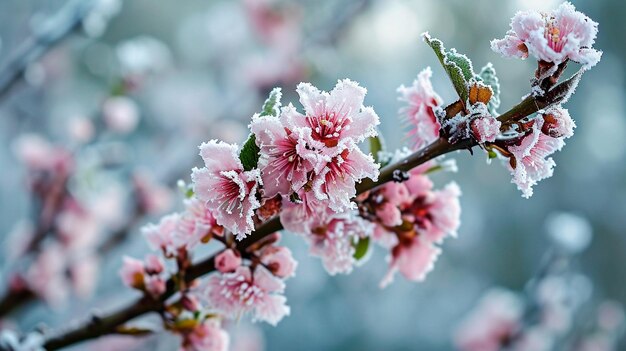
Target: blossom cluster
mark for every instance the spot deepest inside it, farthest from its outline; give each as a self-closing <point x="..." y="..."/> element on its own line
<point x="305" y="168"/>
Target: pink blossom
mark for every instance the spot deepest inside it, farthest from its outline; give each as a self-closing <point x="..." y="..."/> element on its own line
<point x="557" y="123"/>
<point x="444" y="213"/>
<point x="154" y="264"/>
<point x="228" y="190"/>
<point x="163" y="236"/>
<point x="411" y="217"/>
<point x="335" y="119"/>
<point x="532" y="161"/>
<point x="414" y="259"/>
<point x="144" y="275"/>
<point x="389" y="214"/>
<point x="244" y="292"/>
<point x="331" y="238"/>
<point x="197" y="224"/>
<point x="485" y="128"/>
<point x="39" y="154"/>
<point x="227" y="261"/>
<point x="337" y="181"/>
<point x="84" y="275"/>
<point x="154" y="285"/>
<point x="81" y="129"/>
<point x="152" y="197"/>
<point x="286" y="158"/>
<point x="78" y="228"/>
<point x="133" y="273"/>
<point x="206" y="336"/>
<point x="46" y="276"/>
<point x="279" y="260"/>
<point x="421" y="101"/>
<point x="120" y="114"/>
<point x="491" y="324"/>
<point x="297" y="217"/>
<point x="551" y="37"/>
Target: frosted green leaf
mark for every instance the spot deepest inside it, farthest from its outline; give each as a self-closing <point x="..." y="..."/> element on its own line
<point x="458" y="66"/>
<point x="488" y="76"/>
<point x="271" y="106"/>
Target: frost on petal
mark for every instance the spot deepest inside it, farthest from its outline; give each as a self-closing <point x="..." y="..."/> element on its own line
<point x="285" y="156"/>
<point x="196" y="225"/>
<point x="485" y="128"/>
<point x="244" y="292"/>
<point x="332" y="237"/>
<point x="227" y="261"/>
<point x="335" y="119"/>
<point x="421" y="100"/>
<point x="279" y="261"/>
<point x="532" y="159"/>
<point x="413" y="260"/>
<point x="552" y="37"/>
<point x="338" y="180"/>
<point x="228" y="191"/>
<point x="162" y="236"/>
<point x="557" y="123"/>
<point x="510" y="46"/>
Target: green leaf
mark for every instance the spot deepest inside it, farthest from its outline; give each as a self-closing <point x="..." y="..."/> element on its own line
<point x="458" y="66"/>
<point x="377" y="144"/>
<point x="250" y="154"/>
<point x="271" y="106"/>
<point x="492" y="154"/>
<point x="488" y="76"/>
<point x="361" y="247"/>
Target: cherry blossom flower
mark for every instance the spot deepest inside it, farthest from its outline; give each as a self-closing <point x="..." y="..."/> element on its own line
<point x="46" y="276"/>
<point x="414" y="259"/>
<point x="133" y="272"/>
<point x="228" y="190"/>
<point x="493" y="322"/>
<point x="337" y="182"/>
<point x="144" y="275"/>
<point x="297" y="216"/>
<point x="335" y="119"/>
<point x="332" y="239"/>
<point x="551" y="37"/>
<point x="279" y="260"/>
<point x="286" y="158"/>
<point x="163" y="236"/>
<point x="258" y="293"/>
<point x="532" y="161"/>
<point x="206" y="336"/>
<point x="197" y="224"/>
<point x="410" y="219"/>
<point x="227" y="261"/>
<point x="120" y="114"/>
<point x="419" y="113"/>
<point x="39" y="154"/>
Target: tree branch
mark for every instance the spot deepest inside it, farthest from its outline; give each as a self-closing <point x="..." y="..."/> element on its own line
<point x="107" y="325"/>
<point x="52" y="31"/>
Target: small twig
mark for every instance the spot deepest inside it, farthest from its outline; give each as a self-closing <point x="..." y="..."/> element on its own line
<point x="51" y="32"/>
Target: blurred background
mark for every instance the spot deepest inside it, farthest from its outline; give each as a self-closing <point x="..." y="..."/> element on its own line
<point x="130" y="89"/>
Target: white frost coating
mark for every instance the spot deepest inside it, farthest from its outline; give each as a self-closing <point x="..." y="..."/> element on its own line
<point x="9" y="340"/>
<point x="570" y="232"/>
